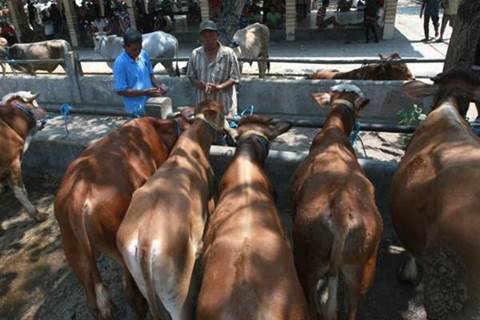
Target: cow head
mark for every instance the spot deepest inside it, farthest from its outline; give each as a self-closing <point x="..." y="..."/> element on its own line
<point x="261" y="126"/>
<point x="348" y="93"/>
<point x="394" y="71"/>
<point x="213" y="113"/>
<point x="99" y="39"/>
<point x="462" y="85"/>
<point x="26" y="102"/>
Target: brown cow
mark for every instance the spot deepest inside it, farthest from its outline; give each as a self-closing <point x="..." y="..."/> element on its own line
<point x="50" y="49"/>
<point x="384" y="70"/>
<point x="248" y="265"/>
<point x="95" y="194"/>
<point x="19" y="117"/>
<point x="161" y="234"/>
<point x="337" y="226"/>
<point x="435" y="199"/>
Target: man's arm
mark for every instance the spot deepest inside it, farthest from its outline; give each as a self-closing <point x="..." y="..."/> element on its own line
<point x="423" y="7"/>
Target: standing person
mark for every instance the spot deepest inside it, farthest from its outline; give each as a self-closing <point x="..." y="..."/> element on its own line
<point x="430" y="9"/>
<point x="31" y="13"/>
<point x="133" y="77"/>
<point x="450" y="8"/>
<point x="370" y="18"/>
<point x="48" y="29"/>
<point x="213" y="69"/>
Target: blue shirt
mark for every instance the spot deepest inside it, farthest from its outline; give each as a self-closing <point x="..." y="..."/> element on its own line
<point x="131" y="74"/>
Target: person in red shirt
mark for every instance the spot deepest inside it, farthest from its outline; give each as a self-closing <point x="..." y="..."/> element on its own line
<point x="8" y="32"/>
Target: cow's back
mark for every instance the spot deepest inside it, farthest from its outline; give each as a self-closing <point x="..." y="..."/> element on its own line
<point x="105" y="176"/>
<point x="160" y="44"/>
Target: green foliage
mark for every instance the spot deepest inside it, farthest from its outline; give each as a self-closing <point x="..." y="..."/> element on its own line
<point x="411" y="116"/>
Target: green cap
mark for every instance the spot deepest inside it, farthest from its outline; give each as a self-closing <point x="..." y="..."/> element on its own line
<point x="208" y="25"/>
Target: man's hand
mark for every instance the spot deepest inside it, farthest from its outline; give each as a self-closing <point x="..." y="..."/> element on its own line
<point x="212" y="88"/>
<point x="153" y="92"/>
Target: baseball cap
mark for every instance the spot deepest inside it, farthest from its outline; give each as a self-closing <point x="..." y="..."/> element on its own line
<point x="208" y="25"/>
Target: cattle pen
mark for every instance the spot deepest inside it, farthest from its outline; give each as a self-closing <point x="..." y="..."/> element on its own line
<point x="36" y="282"/>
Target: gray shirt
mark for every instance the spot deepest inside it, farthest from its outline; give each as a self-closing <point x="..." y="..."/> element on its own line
<point x="224" y="67"/>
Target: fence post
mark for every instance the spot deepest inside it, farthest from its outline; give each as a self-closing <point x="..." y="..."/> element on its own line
<point x="71" y="71"/>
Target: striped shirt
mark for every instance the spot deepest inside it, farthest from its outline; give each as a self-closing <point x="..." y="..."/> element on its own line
<point x="224" y="67"/>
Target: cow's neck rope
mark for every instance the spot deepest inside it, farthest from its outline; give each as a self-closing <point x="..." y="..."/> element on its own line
<point x="261" y="138"/>
<point x="201" y="116"/>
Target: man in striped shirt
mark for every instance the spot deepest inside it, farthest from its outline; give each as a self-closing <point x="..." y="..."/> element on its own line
<point x="213" y="70"/>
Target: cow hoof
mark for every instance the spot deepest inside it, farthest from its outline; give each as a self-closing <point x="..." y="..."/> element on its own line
<point x="41" y="216"/>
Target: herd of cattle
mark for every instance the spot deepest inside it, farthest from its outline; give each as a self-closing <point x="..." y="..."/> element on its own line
<point x="249" y="43"/>
<point x="143" y="195"/>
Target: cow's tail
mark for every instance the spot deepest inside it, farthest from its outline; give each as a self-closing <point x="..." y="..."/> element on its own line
<point x="340" y="228"/>
<point x="157" y="308"/>
<point x="266" y="43"/>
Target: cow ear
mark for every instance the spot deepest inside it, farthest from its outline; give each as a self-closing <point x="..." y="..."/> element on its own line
<point x="278" y="129"/>
<point x="361" y="103"/>
<point x="417" y="89"/>
<point x="215" y="118"/>
<point x="322" y="98"/>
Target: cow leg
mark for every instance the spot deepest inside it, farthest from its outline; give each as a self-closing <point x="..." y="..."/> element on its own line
<point x="169" y="67"/>
<point x="4" y="69"/>
<point x="133" y="295"/>
<point x="358" y="280"/>
<point x="408" y="271"/>
<point x="82" y="260"/>
<point x="16" y="184"/>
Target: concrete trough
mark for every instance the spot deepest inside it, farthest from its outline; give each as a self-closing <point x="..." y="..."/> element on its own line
<point x="278" y="97"/>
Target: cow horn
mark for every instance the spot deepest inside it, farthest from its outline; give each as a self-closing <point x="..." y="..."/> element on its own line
<point x="34" y="96"/>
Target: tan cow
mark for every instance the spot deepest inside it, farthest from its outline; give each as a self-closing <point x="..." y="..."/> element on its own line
<point x="43" y="50"/>
<point x="384" y="70"/>
<point x="252" y="42"/>
<point x="337" y="225"/>
<point x="162" y="232"/>
<point x="248" y="268"/>
<point x="19" y="117"/>
<point x="435" y="199"/>
<point x="95" y="194"/>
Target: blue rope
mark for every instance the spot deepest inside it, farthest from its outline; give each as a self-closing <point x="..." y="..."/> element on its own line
<point x="139" y="112"/>
<point x="65" y="112"/>
<point x="233" y="123"/>
<point x="355" y="133"/>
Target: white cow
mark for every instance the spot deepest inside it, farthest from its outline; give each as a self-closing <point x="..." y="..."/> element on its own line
<point x="157" y="44"/>
<point x="252" y="42"/>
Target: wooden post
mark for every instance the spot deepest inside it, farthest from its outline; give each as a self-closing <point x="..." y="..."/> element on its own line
<point x="290" y="19"/>
<point x="71" y="18"/>
<point x="131" y="13"/>
<point x="390" y="8"/>
<point x="71" y="71"/>
<point x="204" y="9"/>
<point x="101" y="8"/>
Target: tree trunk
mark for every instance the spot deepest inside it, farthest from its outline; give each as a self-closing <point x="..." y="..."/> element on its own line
<point x="229" y="19"/>
<point x="20" y="19"/>
<point x="465" y="37"/>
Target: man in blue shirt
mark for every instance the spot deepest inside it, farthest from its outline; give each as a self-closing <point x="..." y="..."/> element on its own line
<point x="133" y="75"/>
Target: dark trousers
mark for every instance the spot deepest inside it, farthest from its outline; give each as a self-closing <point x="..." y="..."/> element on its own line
<point x="371" y="24"/>
<point x="426" y="20"/>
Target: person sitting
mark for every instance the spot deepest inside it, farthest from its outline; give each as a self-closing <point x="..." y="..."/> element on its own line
<point x="323" y="23"/>
<point x="133" y="77"/>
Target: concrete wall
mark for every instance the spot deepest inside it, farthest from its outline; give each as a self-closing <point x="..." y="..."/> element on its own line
<point x="277" y="97"/>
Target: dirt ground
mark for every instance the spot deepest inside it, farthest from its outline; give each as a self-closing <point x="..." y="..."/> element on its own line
<point x="36" y="282"/>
